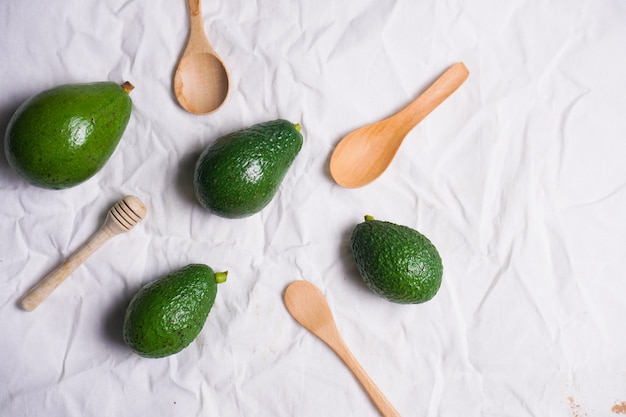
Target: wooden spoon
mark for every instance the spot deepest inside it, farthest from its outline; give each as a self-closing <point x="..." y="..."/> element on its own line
<point x="122" y="217"/>
<point x="363" y="155"/>
<point x="201" y="79"/>
<point x="308" y="306"/>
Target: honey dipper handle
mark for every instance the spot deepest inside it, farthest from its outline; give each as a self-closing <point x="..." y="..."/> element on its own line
<point x="44" y="288"/>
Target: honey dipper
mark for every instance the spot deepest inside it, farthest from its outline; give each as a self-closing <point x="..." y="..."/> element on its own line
<point x="122" y="217"/>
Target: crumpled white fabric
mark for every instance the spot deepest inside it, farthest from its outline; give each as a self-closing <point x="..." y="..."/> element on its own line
<point x="518" y="178"/>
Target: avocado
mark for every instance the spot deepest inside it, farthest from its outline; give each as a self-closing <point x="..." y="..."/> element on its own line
<point x="396" y="262"/>
<point x="63" y="136"/>
<point x="239" y="174"/>
<point x="167" y="314"/>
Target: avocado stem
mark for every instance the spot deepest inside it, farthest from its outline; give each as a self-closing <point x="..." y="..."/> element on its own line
<point x="368" y="218"/>
<point x="298" y="126"/>
<point x="128" y="87"/>
<point x="221" y="277"/>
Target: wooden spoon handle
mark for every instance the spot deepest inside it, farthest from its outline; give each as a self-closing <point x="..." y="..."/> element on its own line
<point x="434" y="95"/>
<point x="194" y="7"/>
<point x="378" y="398"/>
<point x="198" y="41"/>
<point x="50" y="282"/>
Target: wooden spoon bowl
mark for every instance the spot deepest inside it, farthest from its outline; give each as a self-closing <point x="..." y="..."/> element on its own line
<point x="308" y="306"/>
<point x="363" y="155"/>
<point x="201" y="79"/>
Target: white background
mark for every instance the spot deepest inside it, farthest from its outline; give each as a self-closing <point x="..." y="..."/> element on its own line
<point x="518" y="178"/>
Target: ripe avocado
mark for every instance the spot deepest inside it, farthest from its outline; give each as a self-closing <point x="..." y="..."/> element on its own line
<point x="239" y="174"/>
<point x="63" y="136"/>
<point x="396" y="262"/>
<point x="166" y="315"/>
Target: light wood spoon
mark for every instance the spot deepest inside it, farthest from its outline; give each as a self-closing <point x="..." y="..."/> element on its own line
<point x="122" y="217"/>
<point x="308" y="306"/>
<point x="201" y="78"/>
<point x="364" y="154"/>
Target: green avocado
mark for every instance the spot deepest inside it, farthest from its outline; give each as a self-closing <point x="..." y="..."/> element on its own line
<point x="239" y="174"/>
<point x="166" y="315"/>
<point x="63" y="136"/>
<point x="396" y="262"/>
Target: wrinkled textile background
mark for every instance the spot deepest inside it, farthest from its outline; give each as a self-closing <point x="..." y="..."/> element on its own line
<point x="518" y="178"/>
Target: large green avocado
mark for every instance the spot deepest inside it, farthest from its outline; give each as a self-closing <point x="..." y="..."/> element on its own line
<point x="63" y="136"/>
<point x="166" y="315"/>
<point x="239" y="174"/>
<point x="396" y="262"/>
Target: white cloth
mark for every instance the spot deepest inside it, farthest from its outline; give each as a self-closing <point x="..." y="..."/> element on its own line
<point x="518" y="178"/>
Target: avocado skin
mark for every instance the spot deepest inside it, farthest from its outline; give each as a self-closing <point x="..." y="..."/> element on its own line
<point x="63" y="136"/>
<point x="396" y="262"/>
<point x="239" y="174"/>
<point x="166" y="315"/>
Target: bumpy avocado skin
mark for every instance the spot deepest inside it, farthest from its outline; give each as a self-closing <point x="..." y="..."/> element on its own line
<point x="166" y="315"/>
<point x="63" y="136"/>
<point x="396" y="262"/>
<point x="239" y="174"/>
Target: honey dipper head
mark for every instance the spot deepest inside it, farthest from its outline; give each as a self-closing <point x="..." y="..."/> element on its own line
<point x="128" y="211"/>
